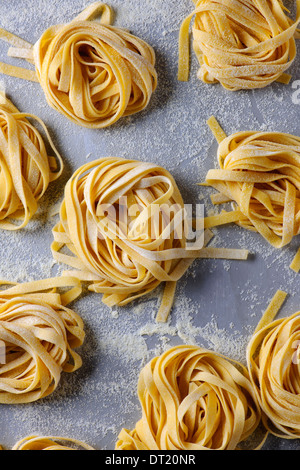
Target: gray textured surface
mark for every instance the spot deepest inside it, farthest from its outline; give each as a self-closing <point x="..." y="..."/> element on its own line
<point x="218" y="303"/>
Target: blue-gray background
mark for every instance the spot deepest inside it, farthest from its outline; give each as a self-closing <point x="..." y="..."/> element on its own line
<point x="218" y="303"/>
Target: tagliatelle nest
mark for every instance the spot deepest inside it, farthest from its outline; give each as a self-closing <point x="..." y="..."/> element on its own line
<point x="38" y="335"/>
<point x="25" y="167"/>
<point x="243" y="44"/>
<point x="260" y="173"/>
<point x="50" y="443"/>
<point x="192" y="399"/>
<point x="124" y="259"/>
<point x="91" y="72"/>
<point x="273" y="357"/>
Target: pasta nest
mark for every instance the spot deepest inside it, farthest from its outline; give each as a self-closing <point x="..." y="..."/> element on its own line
<point x="192" y="399"/>
<point x="94" y="73"/>
<point x="37" y="336"/>
<point x="242" y="44"/>
<point x="50" y="443"/>
<point x="120" y="221"/>
<point x="260" y="173"/>
<point x="273" y="363"/>
<point x="25" y="167"/>
<point x="90" y="71"/>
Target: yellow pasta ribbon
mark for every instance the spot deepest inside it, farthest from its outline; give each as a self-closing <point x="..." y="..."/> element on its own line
<point x="25" y="168"/>
<point x="273" y="363"/>
<point x="242" y="44"/>
<point x="50" y="443"/>
<point x="91" y="72"/>
<point x="260" y="174"/>
<point x="192" y="399"/>
<point x="40" y="335"/>
<point x="295" y="264"/>
<point x="126" y="259"/>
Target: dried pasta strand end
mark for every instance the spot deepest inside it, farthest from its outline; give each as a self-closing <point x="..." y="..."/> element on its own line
<point x="167" y="302"/>
<point x="14" y="40"/>
<point x="224" y="253"/>
<point x="18" y="72"/>
<point x="219" y="198"/>
<point x="216" y="129"/>
<point x="285" y="78"/>
<point x="71" y="295"/>
<point x="272" y="309"/>
<point x="96" y="9"/>
<point x="184" y="51"/>
<point x="20" y="53"/>
<point x="295" y="264"/>
<point x="42" y="286"/>
<point x="222" y="219"/>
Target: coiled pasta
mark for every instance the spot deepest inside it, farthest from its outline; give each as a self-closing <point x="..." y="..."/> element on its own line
<point x="124" y="225"/>
<point x="25" y="168"/>
<point x="50" y="443"/>
<point x="39" y="334"/>
<point x="192" y="399"/>
<point x="260" y="173"/>
<point x="273" y="363"/>
<point x="242" y="44"/>
<point x="91" y="72"/>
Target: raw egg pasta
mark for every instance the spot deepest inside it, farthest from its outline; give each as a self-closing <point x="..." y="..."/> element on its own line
<point x="39" y="335"/>
<point x="25" y="167"/>
<point x="91" y="72"/>
<point x="242" y="44"/>
<point x="50" y="443"/>
<point x="192" y="399"/>
<point x="273" y="363"/>
<point x="259" y="172"/>
<point x="124" y="259"/>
